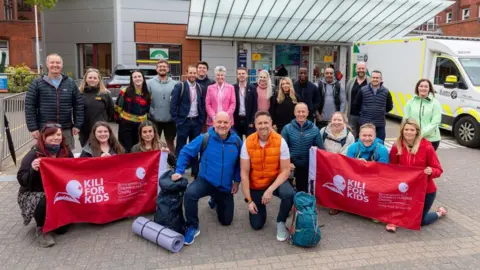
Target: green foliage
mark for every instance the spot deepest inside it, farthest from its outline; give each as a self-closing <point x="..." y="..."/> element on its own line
<point x="19" y="78"/>
<point x="41" y="4"/>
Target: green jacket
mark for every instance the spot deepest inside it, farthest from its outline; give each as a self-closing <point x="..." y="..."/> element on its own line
<point x="428" y="114"/>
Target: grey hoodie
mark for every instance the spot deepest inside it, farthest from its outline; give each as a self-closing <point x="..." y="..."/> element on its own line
<point x="161" y="92"/>
<point x="332" y="143"/>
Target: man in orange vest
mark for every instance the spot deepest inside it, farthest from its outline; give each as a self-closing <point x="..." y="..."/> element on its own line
<point x="265" y="168"/>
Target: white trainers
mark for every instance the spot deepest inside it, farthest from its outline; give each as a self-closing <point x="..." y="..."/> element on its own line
<point x="44" y="239"/>
<point x="282" y="232"/>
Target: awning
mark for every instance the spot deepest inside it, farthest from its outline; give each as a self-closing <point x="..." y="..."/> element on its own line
<point x="310" y="21"/>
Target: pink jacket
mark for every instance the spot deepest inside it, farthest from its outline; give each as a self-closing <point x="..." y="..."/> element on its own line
<point x="228" y="102"/>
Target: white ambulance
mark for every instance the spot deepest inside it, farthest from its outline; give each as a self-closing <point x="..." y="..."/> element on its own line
<point x="404" y="61"/>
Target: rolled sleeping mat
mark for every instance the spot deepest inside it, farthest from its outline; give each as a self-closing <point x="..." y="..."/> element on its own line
<point x="158" y="234"/>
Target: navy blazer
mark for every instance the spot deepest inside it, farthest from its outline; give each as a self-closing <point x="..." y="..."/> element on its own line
<point x="251" y="105"/>
<point x="180" y="106"/>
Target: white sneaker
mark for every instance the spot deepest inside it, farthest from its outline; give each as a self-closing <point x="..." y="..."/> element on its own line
<point x="282" y="232"/>
<point x="44" y="239"/>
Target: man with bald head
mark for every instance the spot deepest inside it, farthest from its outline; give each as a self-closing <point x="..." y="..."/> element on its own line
<point x="353" y="87"/>
<point x="308" y="91"/>
<point x="301" y="134"/>
<point x="332" y="98"/>
<point x="219" y="151"/>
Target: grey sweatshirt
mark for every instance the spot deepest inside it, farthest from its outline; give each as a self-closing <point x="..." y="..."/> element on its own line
<point x="161" y="92"/>
<point x="329" y="106"/>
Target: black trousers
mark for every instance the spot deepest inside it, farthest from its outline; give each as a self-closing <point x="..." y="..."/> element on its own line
<point x="40" y="214"/>
<point x="301" y="179"/>
<point x="128" y="134"/>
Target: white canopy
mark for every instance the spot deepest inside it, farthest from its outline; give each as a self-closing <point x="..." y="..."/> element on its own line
<point x="310" y="21"/>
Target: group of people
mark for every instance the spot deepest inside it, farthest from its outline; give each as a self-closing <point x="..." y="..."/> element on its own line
<point x="242" y="133"/>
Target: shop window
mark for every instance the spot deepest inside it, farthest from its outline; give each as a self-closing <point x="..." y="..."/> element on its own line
<point x="95" y="55"/>
<point x="22" y="6"/>
<point x="324" y="57"/>
<point x="150" y="53"/>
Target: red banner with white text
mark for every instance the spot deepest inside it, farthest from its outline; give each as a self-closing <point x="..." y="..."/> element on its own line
<point x="388" y="193"/>
<point x="99" y="190"/>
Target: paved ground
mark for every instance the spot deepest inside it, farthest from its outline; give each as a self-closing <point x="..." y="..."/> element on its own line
<point x="349" y="242"/>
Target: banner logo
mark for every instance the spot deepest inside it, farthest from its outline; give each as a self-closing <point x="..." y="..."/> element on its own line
<point x="338" y="185"/>
<point x="74" y="191"/>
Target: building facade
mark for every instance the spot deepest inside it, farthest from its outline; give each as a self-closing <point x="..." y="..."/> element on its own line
<point x="258" y="35"/>
<point x="17" y="35"/>
<point x="461" y="19"/>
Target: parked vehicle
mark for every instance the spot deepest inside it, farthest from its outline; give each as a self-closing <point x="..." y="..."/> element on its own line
<point x="404" y="61"/>
<point x="121" y="77"/>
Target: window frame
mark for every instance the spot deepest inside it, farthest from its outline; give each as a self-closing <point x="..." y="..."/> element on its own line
<point x="448" y="17"/>
<point x="463" y="13"/>
<point x="175" y="66"/>
<point x="460" y="76"/>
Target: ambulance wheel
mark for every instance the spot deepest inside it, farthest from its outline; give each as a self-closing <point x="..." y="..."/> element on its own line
<point x="467" y="132"/>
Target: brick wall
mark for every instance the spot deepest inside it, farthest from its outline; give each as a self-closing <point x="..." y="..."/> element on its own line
<point x="466" y="28"/>
<point x="21" y="37"/>
<point x="169" y="34"/>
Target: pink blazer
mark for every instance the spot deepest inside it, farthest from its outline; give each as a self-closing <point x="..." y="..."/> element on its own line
<point x="228" y="102"/>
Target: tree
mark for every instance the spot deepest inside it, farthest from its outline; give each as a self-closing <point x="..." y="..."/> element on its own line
<point x="41" y="4"/>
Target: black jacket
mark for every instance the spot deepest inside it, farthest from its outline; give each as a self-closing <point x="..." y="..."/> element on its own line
<point x="204" y="84"/>
<point x="282" y="113"/>
<point x="98" y="107"/>
<point x="45" y="103"/>
<point x="310" y="95"/>
<point x="180" y="106"/>
<point x="29" y="179"/>
<point x="251" y="105"/>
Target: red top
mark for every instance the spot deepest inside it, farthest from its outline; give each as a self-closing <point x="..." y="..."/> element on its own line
<point x="425" y="157"/>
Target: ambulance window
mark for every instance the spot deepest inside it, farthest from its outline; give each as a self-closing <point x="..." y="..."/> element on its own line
<point x="445" y="67"/>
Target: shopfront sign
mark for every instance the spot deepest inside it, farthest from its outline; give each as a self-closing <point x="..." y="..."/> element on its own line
<point x="328" y="58"/>
<point x="242" y="58"/>
<point x="158" y="53"/>
<point x="256" y="57"/>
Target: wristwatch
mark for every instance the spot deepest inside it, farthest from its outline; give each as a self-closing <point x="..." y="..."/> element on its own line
<point x="247" y="201"/>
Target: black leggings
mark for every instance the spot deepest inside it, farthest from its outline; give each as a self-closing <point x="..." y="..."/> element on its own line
<point x="40" y="213"/>
<point x="435" y="145"/>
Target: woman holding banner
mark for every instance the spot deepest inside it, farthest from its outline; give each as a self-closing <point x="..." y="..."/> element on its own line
<point x="102" y="142"/>
<point x="337" y="136"/>
<point x="412" y="150"/>
<point x="31" y="196"/>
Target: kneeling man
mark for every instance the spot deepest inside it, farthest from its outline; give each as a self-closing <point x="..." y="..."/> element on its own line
<point x="219" y="164"/>
<point x="265" y="166"/>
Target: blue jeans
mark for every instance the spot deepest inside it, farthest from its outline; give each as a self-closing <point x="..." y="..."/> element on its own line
<point x="381" y="133"/>
<point x="190" y="129"/>
<point x="429" y="217"/>
<point x="201" y="188"/>
<point x="285" y="192"/>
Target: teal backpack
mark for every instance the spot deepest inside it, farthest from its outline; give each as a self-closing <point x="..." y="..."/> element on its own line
<point x="305" y="231"/>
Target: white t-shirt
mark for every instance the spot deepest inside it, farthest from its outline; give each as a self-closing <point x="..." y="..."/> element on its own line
<point x="284" y="151"/>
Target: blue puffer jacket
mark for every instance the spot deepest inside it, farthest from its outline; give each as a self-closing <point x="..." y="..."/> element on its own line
<point x="375" y="152"/>
<point x="300" y="140"/>
<point x="219" y="164"/>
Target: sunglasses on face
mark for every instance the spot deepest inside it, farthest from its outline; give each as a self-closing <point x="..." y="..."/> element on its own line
<point x="51" y="126"/>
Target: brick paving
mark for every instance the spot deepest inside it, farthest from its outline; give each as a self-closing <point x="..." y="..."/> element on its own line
<point x="349" y="242"/>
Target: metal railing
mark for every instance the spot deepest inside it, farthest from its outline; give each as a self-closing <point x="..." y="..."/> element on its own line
<point x="13" y="107"/>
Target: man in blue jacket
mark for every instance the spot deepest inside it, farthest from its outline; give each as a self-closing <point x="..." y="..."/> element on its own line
<point x="301" y="134"/>
<point x="219" y="164"/>
<point x="188" y="112"/>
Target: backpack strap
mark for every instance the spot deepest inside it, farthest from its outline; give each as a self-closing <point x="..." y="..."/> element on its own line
<point x="180" y="98"/>
<point x="324" y="135"/>
<point x="336" y="95"/>
<point x="204" y="144"/>
<point x="344" y="140"/>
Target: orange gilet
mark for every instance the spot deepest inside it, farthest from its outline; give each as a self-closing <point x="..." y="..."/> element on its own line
<point x="264" y="162"/>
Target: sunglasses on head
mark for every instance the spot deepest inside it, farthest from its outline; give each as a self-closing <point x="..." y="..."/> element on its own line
<point x="51" y="126"/>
